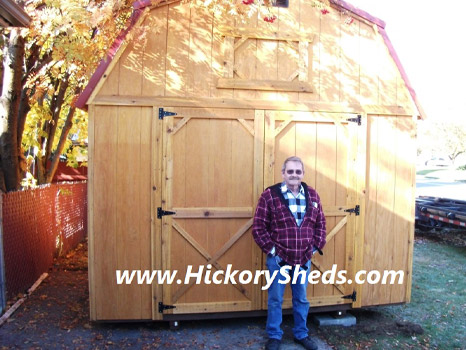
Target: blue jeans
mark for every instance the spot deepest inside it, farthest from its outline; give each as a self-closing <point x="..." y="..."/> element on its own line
<point x="275" y="300"/>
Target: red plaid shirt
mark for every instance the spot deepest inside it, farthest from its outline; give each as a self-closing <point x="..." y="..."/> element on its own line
<point x="275" y="226"/>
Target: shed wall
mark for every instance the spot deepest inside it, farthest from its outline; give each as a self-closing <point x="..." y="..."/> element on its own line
<point x="389" y="224"/>
<point x="177" y="58"/>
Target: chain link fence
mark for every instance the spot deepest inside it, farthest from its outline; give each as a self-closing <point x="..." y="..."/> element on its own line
<point x="38" y="225"/>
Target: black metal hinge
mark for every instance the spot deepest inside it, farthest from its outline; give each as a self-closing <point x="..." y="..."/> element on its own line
<point x="163" y="113"/>
<point x="355" y="120"/>
<point x="350" y="296"/>
<point x="354" y="210"/>
<point x="161" y="212"/>
<point x="163" y="307"/>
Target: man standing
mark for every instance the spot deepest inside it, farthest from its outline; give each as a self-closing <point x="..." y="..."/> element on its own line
<point x="289" y="226"/>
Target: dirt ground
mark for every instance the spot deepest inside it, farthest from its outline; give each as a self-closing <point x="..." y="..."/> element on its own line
<point x="56" y="316"/>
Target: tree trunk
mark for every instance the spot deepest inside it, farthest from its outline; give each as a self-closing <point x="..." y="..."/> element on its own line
<point x="13" y="58"/>
<point x="61" y="144"/>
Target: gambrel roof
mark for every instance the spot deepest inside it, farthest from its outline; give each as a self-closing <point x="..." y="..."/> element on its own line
<point x="140" y="6"/>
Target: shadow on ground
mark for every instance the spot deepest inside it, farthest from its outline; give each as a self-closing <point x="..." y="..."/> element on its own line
<point x="56" y="316"/>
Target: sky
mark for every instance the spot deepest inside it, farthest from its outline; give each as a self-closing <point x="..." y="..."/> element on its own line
<point x="429" y="37"/>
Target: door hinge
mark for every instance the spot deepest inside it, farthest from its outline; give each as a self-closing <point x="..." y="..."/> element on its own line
<point x="350" y="296"/>
<point x="163" y="307"/>
<point x="355" y="120"/>
<point x="163" y="113"/>
<point x="161" y="212"/>
<point x="354" y="210"/>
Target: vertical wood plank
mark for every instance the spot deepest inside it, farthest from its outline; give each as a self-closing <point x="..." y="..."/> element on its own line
<point x="229" y="56"/>
<point x="330" y="69"/>
<point x="350" y="83"/>
<point x="285" y="146"/>
<point x="178" y="245"/>
<point x="306" y="148"/>
<point x="287" y="52"/>
<point x="90" y="212"/>
<point x="128" y="228"/>
<point x="371" y="208"/>
<point x="104" y="214"/>
<point x="177" y="48"/>
<point x="154" y="59"/>
<point x="167" y="202"/>
<point x="199" y="78"/>
<point x="310" y="22"/>
<point x="326" y="187"/>
<point x="156" y="201"/>
<point x="223" y="56"/>
<point x="269" y="149"/>
<point x="130" y="66"/>
<point x="257" y="256"/>
<point x="413" y="208"/>
<point x="360" y="170"/>
<point x="110" y="85"/>
<point x="343" y="240"/>
<point x="369" y="65"/>
<point x="145" y="195"/>
<point x="267" y="56"/>
<point x="404" y="193"/>
<point x="303" y="61"/>
<point x="385" y="204"/>
<point x="197" y="194"/>
<point x="246" y="58"/>
<point x="387" y="73"/>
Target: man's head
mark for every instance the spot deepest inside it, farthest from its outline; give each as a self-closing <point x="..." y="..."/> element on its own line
<point x="293" y="172"/>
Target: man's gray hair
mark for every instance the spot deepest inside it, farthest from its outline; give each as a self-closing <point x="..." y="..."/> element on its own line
<point x="292" y="159"/>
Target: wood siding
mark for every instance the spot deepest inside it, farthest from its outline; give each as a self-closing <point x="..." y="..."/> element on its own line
<point x="389" y="224"/>
<point x="247" y="95"/>
<point x="184" y="51"/>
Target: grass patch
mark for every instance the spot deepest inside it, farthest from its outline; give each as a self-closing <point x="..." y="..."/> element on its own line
<point x="427" y="171"/>
<point x="435" y="317"/>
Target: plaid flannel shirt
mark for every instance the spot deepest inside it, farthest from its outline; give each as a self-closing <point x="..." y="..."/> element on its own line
<point x="296" y="204"/>
<point x="275" y="226"/>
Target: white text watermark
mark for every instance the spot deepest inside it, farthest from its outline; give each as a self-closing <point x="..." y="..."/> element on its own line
<point x="287" y="274"/>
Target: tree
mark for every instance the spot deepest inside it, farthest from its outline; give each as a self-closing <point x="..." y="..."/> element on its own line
<point x="45" y="68"/>
<point x="440" y="138"/>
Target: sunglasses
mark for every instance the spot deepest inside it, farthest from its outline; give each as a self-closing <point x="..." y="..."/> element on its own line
<point x="291" y="171"/>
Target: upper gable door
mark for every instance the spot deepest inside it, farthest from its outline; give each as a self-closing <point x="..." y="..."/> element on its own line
<point x="212" y="175"/>
<point x="332" y="148"/>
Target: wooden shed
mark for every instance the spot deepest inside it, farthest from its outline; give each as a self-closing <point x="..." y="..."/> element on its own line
<point x="327" y="87"/>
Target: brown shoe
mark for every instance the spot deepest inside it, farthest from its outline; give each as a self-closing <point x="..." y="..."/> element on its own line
<point x="307" y="343"/>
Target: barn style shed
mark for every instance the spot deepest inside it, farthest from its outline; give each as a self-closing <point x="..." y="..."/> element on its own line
<point x="194" y="115"/>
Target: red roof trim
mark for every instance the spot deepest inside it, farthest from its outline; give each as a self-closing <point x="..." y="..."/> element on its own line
<point x="103" y="65"/>
<point x="358" y="12"/>
<point x="404" y="76"/>
<point x="142" y="4"/>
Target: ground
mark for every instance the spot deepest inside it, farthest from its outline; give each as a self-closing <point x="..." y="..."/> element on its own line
<point x="56" y="315"/>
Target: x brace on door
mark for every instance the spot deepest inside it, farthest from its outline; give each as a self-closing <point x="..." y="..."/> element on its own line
<point x="213" y="260"/>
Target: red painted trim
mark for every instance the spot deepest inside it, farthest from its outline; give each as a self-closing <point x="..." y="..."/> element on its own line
<point x="141" y="4"/>
<point x="363" y="14"/>
<point x="392" y="51"/>
<point x="103" y="65"/>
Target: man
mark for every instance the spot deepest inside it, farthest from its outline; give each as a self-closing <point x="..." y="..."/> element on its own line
<point x="289" y="226"/>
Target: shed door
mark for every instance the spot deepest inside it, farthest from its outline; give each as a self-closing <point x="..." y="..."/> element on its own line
<point x="212" y="175"/>
<point x="328" y="145"/>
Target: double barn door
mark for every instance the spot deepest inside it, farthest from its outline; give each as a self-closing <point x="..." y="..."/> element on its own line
<point x="214" y="164"/>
